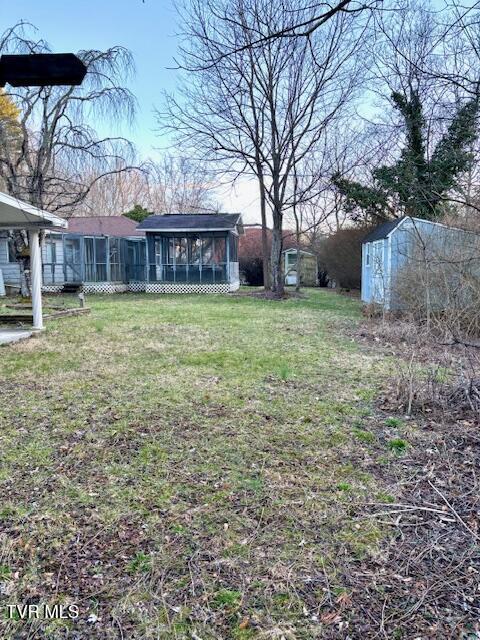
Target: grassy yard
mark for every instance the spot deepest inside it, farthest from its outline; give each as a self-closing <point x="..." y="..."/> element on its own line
<point x="190" y="467"/>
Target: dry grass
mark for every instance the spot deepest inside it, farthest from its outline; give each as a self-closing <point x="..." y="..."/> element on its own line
<point x="205" y="467"/>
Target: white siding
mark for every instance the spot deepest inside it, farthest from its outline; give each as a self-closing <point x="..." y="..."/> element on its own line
<point x="52" y="273"/>
<point x="10" y="270"/>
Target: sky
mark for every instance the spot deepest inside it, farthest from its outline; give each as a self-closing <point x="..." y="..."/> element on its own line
<point x="148" y="29"/>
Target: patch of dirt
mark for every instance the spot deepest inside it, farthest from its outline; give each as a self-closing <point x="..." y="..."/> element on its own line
<point x="425" y="581"/>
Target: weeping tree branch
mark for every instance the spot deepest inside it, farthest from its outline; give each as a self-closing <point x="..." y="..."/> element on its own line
<point x="46" y="147"/>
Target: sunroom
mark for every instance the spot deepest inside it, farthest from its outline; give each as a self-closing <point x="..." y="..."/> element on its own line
<point x="101" y="254"/>
<point x="192" y="252"/>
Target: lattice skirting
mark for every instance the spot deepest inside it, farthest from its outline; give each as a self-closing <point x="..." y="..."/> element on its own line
<point x="52" y="288"/>
<point x="136" y="287"/>
<point x="159" y="287"/>
<point x="104" y="287"/>
<point x="149" y="287"/>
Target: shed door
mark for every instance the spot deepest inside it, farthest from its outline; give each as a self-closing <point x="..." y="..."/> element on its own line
<point x="378" y="271"/>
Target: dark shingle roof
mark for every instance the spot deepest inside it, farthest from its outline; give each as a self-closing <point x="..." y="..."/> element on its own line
<point x="116" y="226"/>
<point x="191" y="222"/>
<point x="382" y="231"/>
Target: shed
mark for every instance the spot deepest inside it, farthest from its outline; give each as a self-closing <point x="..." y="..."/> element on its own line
<point x="396" y="254"/>
<point x="192" y="253"/>
<point x="308" y="267"/>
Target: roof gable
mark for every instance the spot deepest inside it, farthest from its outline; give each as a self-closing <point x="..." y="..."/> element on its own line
<point x="382" y="231"/>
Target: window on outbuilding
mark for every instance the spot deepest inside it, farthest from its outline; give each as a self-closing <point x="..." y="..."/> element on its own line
<point x="291" y="259"/>
<point x="180" y="251"/>
<point x="220" y="254"/>
<point x="367" y="254"/>
<point x="207" y="250"/>
<point x="195" y="250"/>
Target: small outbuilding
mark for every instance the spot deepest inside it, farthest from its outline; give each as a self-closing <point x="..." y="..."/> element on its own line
<point x="192" y="253"/>
<point x="408" y="256"/>
<point x="308" y="267"/>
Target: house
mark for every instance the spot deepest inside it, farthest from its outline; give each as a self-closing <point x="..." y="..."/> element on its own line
<point x="191" y="253"/>
<point x="402" y="256"/>
<point x="96" y="254"/>
<point x="308" y="267"/>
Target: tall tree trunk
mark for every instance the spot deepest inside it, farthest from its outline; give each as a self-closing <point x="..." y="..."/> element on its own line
<point x="278" y="284"/>
<point x="265" y="255"/>
<point x="297" y="228"/>
<point x="263" y="215"/>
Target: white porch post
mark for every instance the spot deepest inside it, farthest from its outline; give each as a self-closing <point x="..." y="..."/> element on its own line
<point x="36" y="278"/>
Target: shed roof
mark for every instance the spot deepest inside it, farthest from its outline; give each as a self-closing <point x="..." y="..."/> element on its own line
<point x="115" y="226"/>
<point x="192" y="222"/>
<point x="385" y="229"/>
<point x="295" y="250"/>
<point x="382" y="231"/>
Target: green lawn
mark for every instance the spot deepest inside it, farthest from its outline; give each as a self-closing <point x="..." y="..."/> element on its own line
<point x="186" y="467"/>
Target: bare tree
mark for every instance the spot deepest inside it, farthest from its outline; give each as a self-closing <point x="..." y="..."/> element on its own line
<point x="300" y="26"/>
<point x="59" y="156"/>
<point x="261" y="107"/>
<point x="115" y="193"/>
<point x="172" y="184"/>
<point x="178" y="184"/>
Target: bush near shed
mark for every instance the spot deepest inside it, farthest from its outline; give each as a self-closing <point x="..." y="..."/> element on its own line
<point x="341" y="256"/>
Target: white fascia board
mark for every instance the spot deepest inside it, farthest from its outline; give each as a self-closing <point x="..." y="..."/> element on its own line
<point x="398" y="226"/>
<point x="444" y="226"/>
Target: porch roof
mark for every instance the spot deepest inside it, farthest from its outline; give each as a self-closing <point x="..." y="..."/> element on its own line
<point x="183" y="222"/>
<point x="16" y="214"/>
<point x="114" y="226"/>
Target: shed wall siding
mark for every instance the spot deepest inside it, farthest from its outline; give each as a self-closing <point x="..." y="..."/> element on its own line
<point x="419" y="244"/>
<point x="376" y="275"/>
<point x="365" y="283"/>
